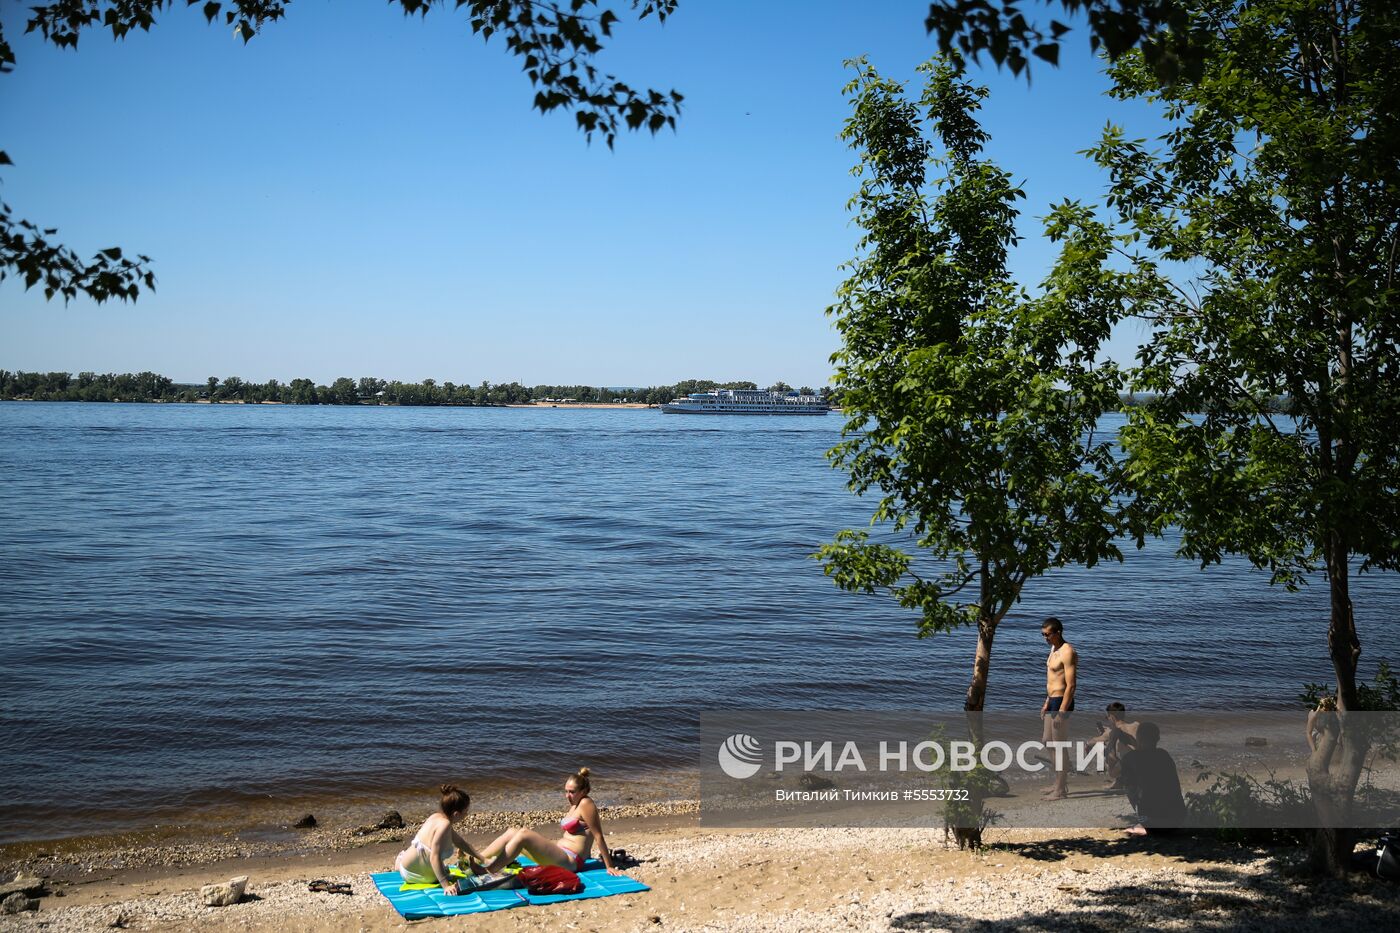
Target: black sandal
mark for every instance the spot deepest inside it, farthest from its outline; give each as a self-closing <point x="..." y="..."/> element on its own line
<point x="322" y="886"/>
<point x="621" y="859"/>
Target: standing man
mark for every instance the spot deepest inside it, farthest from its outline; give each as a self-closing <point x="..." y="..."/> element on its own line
<point x="1061" y="668"/>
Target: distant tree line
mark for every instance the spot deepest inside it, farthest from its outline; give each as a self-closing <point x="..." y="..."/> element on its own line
<point x="153" y="387"/>
<point x="88" y="387"/>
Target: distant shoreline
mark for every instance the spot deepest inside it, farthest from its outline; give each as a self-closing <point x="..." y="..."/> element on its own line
<point x="367" y="390"/>
<point x="205" y="401"/>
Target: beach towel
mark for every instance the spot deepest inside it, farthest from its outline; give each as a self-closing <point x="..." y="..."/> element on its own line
<point x="430" y="901"/>
<point x="452" y="870"/>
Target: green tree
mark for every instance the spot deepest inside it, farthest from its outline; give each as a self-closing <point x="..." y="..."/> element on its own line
<point x="369" y="387"/>
<point x="153" y="385"/>
<point x="342" y="392"/>
<point x="971" y="407"/>
<point x="1260" y="246"/>
<point x="302" y="392"/>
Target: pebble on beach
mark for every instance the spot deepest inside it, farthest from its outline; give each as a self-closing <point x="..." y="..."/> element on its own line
<point x="27" y="885"/>
<point x="17" y="903"/>
<point x="390" y="820"/>
<point x="224" y="893"/>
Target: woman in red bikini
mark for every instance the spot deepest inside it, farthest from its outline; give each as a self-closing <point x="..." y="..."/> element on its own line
<point x="581" y="825"/>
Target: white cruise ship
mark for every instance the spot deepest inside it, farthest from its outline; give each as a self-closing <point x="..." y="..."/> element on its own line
<point x="747" y="402"/>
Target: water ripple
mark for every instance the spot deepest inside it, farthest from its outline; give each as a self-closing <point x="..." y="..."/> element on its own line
<point x="213" y="602"/>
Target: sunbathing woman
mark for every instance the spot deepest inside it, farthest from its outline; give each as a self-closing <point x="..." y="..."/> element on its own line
<point x="581" y="825"/>
<point x="425" y="859"/>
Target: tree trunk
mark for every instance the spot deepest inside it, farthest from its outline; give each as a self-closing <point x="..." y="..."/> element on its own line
<point x="1334" y="769"/>
<point x="968" y="829"/>
<point x="981" y="665"/>
<point x="1329" y="852"/>
<point x="1333" y="773"/>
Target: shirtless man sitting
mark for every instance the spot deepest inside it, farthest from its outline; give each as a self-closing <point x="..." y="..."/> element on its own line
<point x="1061" y="668"/>
<point x="1118" y="737"/>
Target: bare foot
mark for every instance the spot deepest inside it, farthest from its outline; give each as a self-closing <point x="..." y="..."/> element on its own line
<point x="1054" y="795"/>
<point x="1136" y="831"/>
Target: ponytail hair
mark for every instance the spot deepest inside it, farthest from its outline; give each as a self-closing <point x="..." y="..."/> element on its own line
<point x="454" y="802"/>
<point x="580" y="779"/>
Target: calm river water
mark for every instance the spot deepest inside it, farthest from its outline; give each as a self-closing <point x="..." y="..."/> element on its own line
<point x="236" y="602"/>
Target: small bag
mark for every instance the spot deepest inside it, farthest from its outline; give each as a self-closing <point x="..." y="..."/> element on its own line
<point x="486" y="882"/>
<point x="550" y="879"/>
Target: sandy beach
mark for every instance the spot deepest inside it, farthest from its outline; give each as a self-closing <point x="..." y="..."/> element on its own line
<point x="711" y="879"/>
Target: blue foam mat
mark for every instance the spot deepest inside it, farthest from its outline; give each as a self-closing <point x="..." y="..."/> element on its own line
<point x="432" y="902"/>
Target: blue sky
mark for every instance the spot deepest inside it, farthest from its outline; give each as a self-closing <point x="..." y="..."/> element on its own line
<point x="357" y="193"/>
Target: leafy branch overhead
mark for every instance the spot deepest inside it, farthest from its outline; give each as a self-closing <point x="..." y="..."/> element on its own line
<point x="555" y="43"/>
<point x="1162" y="29"/>
<point x="25" y="251"/>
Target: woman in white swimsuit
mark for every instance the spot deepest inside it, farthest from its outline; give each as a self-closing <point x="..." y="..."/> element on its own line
<point x="580" y="826"/>
<point x="425" y="859"/>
